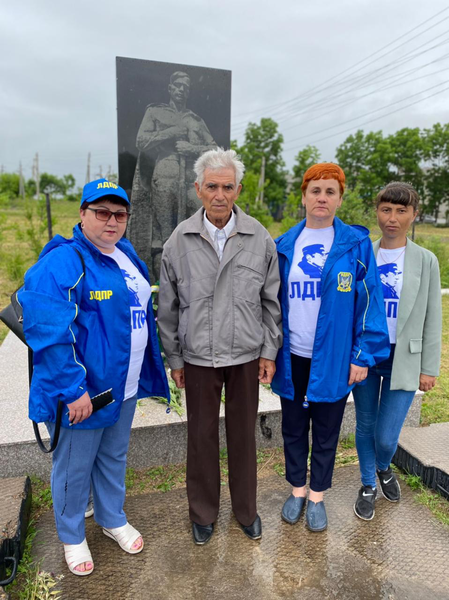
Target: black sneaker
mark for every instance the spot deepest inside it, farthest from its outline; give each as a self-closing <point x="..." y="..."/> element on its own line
<point x="389" y="485"/>
<point x="364" y="506"/>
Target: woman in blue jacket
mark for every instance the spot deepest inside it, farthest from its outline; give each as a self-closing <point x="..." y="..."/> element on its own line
<point x="89" y="321"/>
<point x="411" y="288"/>
<point x="334" y="329"/>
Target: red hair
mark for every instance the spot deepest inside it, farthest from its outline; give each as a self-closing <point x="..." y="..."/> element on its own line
<point x="324" y="171"/>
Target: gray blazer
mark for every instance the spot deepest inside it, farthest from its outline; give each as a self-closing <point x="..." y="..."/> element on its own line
<point x="418" y="335"/>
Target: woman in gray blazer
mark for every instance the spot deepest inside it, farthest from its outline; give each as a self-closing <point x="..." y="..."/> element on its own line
<point x="412" y="297"/>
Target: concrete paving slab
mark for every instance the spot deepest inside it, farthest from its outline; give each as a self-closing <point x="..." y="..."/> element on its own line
<point x="157" y="437"/>
<point x="12" y="495"/>
<point x="400" y="555"/>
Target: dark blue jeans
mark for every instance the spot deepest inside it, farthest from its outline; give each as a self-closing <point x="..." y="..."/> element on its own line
<point x="380" y="414"/>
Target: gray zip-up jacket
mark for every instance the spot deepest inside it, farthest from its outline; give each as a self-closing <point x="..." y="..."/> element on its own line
<point x="213" y="313"/>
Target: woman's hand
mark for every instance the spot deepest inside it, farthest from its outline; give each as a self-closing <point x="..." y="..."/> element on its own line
<point x="357" y="374"/>
<point x="80" y="410"/>
<point x="426" y="382"/>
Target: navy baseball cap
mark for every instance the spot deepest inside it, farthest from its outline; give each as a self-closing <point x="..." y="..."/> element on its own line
<point x="102" y="187"/>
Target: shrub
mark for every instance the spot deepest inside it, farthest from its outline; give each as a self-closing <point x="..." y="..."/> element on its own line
<point x="441" y="251"/>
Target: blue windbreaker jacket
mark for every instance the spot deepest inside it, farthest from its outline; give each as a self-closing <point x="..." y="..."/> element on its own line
<point x="80" y="332"/>
<point x="351" y="326"/>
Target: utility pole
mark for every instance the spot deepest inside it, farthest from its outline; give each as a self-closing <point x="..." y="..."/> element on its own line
<point x="36" y="175"/>
<point x="88" y="169"/>
<point x="21" y="183"/>
<point x="2" y="169"/>
<point x="49" y="227"/>
<point x="259" y="197"/>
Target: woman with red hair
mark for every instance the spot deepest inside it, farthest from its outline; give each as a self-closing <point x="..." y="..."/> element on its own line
<point x="334" y="329"/>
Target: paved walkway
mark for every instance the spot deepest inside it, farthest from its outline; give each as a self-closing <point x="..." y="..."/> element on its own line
<point x="402" y="554"/>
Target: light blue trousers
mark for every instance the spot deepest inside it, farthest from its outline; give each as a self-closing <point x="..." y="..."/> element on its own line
<point x="85" y="456"/>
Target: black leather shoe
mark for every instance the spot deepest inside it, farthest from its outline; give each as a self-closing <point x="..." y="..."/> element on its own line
<point x="253" y="531"/>
<point x="202" y="533"/>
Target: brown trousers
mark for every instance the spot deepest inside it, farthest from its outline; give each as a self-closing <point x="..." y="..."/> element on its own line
<point x="203" y="396"/>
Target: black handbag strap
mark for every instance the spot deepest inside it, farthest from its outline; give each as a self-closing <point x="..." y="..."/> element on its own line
<point x="54" y="441"/>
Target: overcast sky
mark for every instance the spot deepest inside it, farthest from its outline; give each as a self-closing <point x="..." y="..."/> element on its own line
<point x="57" y="69"/>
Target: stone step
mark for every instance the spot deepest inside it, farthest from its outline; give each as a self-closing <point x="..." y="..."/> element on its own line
<point x="156" y="438"/>
<point x="425" y="452"/>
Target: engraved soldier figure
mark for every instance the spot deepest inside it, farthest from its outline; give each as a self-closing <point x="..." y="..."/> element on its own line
<point x="170" y="139"/>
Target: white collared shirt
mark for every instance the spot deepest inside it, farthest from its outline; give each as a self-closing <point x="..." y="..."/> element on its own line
<point x="219" y="236"/>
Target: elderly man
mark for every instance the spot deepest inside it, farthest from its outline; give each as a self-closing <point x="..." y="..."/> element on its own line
<point x="219" y="320"/>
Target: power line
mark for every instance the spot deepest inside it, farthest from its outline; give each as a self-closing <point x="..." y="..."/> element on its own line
<point x="369" y="121"/>
<point x="338" y="75"/>
<point x="345" y="103"/>
<point x="376" y="74"/>
<point x="373" y="111"/>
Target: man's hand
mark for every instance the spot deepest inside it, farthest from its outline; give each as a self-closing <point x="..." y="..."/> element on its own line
<point x="80" y="410"/>
<point x="267" y="369"/>
<point x="185" y="148"/>
<point x="426" y="382"/>
<point x="178" y="377"/>
<point x="357" y="374"/>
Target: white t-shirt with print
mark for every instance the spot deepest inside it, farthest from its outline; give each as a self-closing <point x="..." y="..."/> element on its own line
<point x="390" y="264"/>
<point x="139" y="296"/>
<point x="304" y="287"/>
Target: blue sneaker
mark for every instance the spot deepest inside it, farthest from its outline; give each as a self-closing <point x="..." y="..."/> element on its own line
<point x="292" y="509"/>
<point x="316" y="518"/>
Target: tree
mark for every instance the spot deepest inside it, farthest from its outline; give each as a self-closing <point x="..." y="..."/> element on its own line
<point x="365" y="160"/>
<point x="56" y="186"/>
<point x="407" y="148"/>
<point x="291" y="212"/>
<point x="9" y="185"/>
<point x="356" y="211"/>
<point x="248" y="199"/>
<point x="436" y="176"/>
<point x="265" y="140"/>
<point x="51" y="184"/>
<point x="305" y="158"/>
<point x="69" y="181"/>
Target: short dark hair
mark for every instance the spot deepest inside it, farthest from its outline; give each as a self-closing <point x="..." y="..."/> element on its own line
<point x="398" y="192"/>
<point x="178" y="75"/>
<point x="112" y="199"/>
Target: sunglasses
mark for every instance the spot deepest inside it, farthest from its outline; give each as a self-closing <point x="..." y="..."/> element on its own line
<point x="102" y="214"/>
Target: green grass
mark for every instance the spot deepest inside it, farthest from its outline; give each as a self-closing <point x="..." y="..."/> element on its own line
<point x="435" y="406"/>
<point x="348" y="443"/>
<point x="41" y="493"/>
<point x="22" y="234"/>
<point x="31" y="582"/>
<point x="437" y="505"/>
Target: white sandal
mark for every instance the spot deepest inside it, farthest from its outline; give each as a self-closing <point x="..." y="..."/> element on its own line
<point x="77" y="554"/>
<point x="125" y="537"/>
